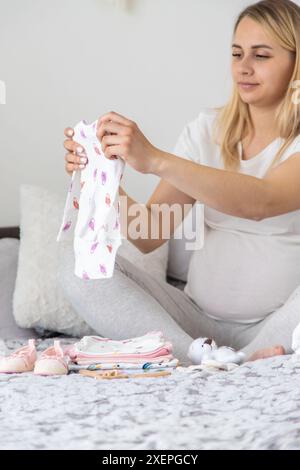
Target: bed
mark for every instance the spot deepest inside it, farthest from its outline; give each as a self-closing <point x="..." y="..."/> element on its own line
<point x="255" y="406"/>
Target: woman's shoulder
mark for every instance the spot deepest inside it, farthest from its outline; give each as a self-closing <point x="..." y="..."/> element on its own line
<point x="205" y="117"/>
<point x="196" y="141"/>
<point x="207" y="114"/>
<point x="201" y="126"/>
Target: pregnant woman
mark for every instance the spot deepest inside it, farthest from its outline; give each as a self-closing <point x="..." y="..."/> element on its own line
<point x="242" y="161"/>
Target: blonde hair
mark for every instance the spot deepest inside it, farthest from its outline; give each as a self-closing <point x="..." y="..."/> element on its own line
<point x="281" y="18"/>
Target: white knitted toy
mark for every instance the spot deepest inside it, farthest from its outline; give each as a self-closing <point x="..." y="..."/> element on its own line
<point x="203" y="350"/>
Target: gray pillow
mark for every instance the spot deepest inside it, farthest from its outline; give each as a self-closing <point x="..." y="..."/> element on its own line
<point x="9" y="250"/>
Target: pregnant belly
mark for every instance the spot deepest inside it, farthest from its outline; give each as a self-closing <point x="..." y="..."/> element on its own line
<point x="243" y="277"/>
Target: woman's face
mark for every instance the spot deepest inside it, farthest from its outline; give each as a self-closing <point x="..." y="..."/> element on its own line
<point x="269" y="66"/>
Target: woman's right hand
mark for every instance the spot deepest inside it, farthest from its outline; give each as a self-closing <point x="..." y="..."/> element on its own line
<point x="76" y="157"/>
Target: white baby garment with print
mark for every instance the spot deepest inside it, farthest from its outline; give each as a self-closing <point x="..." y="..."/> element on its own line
<point x="92" y="210"/>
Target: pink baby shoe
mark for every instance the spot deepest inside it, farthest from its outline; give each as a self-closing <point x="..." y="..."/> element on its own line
<point x="22" y="360"/>
<point x="52" y="361"/>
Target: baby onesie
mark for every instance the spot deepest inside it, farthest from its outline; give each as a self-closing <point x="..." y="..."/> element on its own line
<point x="91" y="215"/>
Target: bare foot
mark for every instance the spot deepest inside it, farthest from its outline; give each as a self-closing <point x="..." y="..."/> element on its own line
<point x="267" y="352"/>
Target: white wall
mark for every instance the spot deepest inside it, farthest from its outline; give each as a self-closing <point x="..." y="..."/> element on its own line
<point x="67" y="60"/>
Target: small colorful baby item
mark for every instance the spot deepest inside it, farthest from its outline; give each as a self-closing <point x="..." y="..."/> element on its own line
<point x="22" y="360"/>
<point x="92" y="211"/>
<point x="52" y="361"/>
<point x="203" y="350"/>
<point x="151" y="347"/>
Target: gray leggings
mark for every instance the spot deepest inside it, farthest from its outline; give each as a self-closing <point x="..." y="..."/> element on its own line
<point x="132" y="302"/>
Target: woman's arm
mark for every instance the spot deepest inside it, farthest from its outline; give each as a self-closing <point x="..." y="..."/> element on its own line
<point x="233" y="193"/>
<point x="165" y="195"/>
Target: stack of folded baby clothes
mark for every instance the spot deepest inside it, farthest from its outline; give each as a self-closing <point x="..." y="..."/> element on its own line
<point x="150" y="351"/>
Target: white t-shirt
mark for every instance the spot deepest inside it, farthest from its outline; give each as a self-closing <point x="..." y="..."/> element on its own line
<point x="246" y="269"/>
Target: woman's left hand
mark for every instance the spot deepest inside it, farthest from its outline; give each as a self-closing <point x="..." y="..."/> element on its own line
<point x="128" y="142"/>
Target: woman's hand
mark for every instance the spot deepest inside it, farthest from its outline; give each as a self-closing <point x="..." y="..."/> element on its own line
<point x="128" y="142"/>
<point x="76" y="158"/>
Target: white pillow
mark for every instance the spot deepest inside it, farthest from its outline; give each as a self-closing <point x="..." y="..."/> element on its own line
<point x="9" y="248"/>
<point x="39" y="300"/>
<point x="182" y="242"/>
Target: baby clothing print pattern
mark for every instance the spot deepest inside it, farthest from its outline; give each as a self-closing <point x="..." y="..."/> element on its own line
<point x="92" y="210"/>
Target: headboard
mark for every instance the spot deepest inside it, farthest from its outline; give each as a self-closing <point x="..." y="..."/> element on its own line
<point x="10" y="232"/>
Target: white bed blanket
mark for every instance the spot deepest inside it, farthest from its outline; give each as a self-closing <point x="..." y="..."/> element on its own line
<point x="255" y="406"/>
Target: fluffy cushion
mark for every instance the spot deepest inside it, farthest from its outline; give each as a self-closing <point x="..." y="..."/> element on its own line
<point x="182" y="242"/>
<point x="39" y="300"/>
<point x="9" y="249"/>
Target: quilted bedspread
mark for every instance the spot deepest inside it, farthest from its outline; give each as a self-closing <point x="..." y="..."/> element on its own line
<point x="255" y="406"/>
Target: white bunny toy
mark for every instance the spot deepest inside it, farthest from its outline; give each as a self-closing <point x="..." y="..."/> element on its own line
<point x="202" y="350"/>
